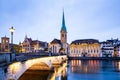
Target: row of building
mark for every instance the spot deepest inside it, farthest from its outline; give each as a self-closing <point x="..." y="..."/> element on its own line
<point x="77" y="48"/>
<point x="27" y="46"/>
<point x="94" y="48"/>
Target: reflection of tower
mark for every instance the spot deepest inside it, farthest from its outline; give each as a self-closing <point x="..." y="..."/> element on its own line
<point x="5" y="44"/>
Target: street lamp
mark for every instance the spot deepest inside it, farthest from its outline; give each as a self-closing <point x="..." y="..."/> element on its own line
<point x="12" y="49"/>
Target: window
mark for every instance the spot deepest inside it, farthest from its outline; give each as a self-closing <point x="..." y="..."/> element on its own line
<point x="74" y="50"/>
<point x="62" y="35"/>
<point x="91" y="51"/>
<point x="3" y="41"/>
<point x="6" y="41"/>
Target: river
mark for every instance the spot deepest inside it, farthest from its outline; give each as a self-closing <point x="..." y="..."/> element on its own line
<point x="82" y="70"/>
<point x="75" y="70"/>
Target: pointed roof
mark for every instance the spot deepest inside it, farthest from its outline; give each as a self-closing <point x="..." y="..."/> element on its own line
<point x="63" y="23"/>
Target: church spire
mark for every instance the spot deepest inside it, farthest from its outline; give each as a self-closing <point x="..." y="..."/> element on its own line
<point x="63" y="23"/>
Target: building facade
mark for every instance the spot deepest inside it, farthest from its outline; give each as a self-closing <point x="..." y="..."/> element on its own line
<point x="55" y="46"/>
<point x="85" y="48"/>
<point x="5" y="45"/>
<point x="109" y="48"/>
<point x="117" y="50"/>
<point x="60" y="46"/>
<point x="29" y="45"/>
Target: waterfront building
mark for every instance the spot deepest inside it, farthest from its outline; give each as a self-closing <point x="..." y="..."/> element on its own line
<point x="5" y="44"/>
<point x="30" y="45"/>
<point x="117" y="49"/>
<point x="55" y="46"/>
<point x="60" y="46"/>
<point x="85" y="48"/>
<point x="109" y="48"/>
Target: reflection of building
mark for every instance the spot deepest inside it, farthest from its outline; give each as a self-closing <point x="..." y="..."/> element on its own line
<point x="60" y="46"/>
<point x="30" y="45"/>
<point x="5" y="45"/>
<point x="88" y="66"/>
<point x="85" y="48"/>
<point x="108" y="47"/>
<point x="117" y="65"/>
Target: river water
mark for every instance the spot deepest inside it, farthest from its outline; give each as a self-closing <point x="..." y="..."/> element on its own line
<point x="75" y="70"/>
<point x="93" y="70"/>
<point x="83" y="70"/>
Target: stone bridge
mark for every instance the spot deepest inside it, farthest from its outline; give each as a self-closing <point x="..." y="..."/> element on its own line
<point x="15" y="70"/>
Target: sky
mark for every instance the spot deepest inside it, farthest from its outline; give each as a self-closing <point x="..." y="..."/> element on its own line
<point x="42" y="19"/>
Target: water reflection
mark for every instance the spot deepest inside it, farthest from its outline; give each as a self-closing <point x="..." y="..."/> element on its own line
<point x="117" y="65"/>
<point x="93" y="70"/>
<point x="85" y="66"/>
<point x="60" y="72"/>
<point x="2" y="74"/>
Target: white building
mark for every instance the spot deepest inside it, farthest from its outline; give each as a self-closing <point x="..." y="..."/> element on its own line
<point x="107" y="47"/>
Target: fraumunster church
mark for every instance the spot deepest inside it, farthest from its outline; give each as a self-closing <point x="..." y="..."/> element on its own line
<point x="60" y="46"/>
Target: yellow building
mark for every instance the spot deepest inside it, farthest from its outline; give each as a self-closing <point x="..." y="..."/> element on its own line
<point x="85" y="48"/>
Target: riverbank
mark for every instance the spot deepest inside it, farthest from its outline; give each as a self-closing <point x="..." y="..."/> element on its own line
<point x="93" y="58"/>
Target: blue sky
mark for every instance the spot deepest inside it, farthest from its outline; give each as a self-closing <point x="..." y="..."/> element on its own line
<point x="41" y="19"/>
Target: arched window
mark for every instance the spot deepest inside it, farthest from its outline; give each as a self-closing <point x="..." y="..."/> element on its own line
<point x="74" y="50"/>
<point x="62" y="35"/>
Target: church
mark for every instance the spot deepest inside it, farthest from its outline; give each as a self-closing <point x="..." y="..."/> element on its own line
<point x="60" y="46"/>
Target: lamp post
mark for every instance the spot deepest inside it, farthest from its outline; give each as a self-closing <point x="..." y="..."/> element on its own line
<point x="12" y="49"/>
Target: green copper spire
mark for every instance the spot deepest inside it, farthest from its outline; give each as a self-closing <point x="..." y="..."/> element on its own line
<point x="63" y="23"/>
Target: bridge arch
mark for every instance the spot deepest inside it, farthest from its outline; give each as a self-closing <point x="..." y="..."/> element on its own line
<point x="15" y="70"/>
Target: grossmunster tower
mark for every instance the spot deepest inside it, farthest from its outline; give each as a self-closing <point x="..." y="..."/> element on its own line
<point x="60" y="46"/>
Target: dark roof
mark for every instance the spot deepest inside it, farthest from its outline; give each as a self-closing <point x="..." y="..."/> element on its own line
<point x="88" y="41"/>
<point x="5" y="37"/>
<point x="41" y="43"/>
<point x="29" y="39"/>
<point x="56" y="41"/>
<point x="117" y="45"/>
<point x="103" y="42"/>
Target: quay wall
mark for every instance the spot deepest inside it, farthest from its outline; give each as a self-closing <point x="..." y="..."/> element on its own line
<point x="94" y="58"/>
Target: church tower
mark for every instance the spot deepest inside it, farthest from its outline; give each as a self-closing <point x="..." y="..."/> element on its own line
<point x="63" y="32"/>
